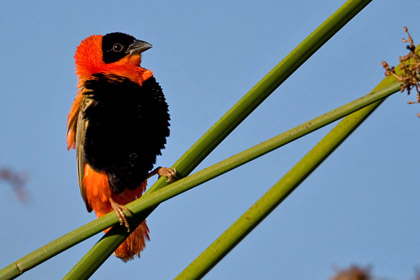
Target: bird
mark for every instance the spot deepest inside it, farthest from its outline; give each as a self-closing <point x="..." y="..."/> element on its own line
<point x="118" y="124"/>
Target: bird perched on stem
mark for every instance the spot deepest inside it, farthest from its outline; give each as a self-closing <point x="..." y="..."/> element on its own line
<point x="118" y="124"/>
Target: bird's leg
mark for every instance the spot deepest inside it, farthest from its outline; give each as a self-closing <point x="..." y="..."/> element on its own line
<point x="118" y="208"/>
<point x="164" y="171"/>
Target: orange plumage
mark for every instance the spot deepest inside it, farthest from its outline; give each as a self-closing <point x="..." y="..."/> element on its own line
<point x="98" y="194"/>
<point x="118" y="124"/>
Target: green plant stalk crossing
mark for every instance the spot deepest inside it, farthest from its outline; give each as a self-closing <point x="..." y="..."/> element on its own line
<point x="272" y="198"/>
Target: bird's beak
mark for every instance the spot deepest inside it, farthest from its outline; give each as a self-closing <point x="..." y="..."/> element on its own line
<point x="137" y="47"/>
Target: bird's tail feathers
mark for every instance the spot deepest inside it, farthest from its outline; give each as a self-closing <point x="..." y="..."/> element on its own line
<point x="134" y="244"/>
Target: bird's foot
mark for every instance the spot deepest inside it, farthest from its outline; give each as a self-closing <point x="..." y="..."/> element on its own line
<point x="169" y="173"/>
<point x="122" y="217"/>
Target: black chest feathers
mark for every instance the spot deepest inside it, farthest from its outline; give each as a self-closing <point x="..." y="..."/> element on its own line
<point x="127" y="126"/>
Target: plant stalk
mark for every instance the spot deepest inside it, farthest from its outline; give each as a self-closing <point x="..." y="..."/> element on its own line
<point x="272" y="198"/>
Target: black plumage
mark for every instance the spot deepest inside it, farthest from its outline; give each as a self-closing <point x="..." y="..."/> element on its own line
<point x="127" y="126"/>
<point x="115" y="46"/>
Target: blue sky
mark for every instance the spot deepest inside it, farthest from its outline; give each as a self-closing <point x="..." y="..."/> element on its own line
<point x="359" y="207"/>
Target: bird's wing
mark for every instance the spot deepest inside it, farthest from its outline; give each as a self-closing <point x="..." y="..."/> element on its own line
<point x="80" y="141"/>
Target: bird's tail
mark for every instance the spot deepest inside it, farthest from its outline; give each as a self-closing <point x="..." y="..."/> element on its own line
<point x="134" y="244"/>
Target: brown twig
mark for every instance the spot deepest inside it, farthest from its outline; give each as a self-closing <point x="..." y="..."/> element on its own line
<point x="410" y="69"/>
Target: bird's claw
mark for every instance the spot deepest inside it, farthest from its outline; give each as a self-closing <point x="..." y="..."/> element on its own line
<point x="122" y="217"/>
<point x="167" y="172"/>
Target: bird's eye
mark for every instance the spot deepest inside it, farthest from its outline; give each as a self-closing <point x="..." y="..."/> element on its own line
<point x="117" y="47"/>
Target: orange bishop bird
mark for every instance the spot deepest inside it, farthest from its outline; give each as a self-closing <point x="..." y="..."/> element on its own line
<point x="118" y="124"/>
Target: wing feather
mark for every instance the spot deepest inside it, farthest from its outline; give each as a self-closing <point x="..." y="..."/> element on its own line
<point x="80" y="140"/>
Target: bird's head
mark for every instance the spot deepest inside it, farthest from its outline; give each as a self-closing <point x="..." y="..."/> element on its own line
<point x="123" y="48"/>
<point x="114" y="53"/>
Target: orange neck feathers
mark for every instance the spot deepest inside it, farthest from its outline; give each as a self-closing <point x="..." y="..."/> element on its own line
<point x="89" y="61"/>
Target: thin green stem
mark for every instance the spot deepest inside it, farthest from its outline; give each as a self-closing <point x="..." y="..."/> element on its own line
<point x="271" y="199"/>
